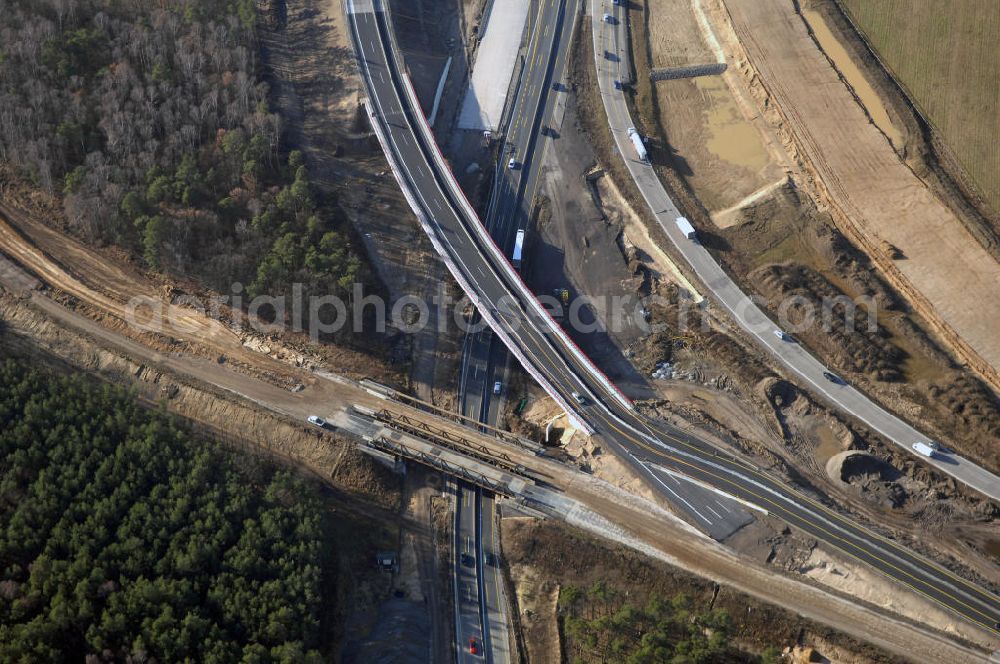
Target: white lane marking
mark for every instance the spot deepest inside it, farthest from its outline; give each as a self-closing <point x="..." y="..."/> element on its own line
<point x="723" y="507"/>
<point x="709" y="508"/>
<point x="678" y="496"/>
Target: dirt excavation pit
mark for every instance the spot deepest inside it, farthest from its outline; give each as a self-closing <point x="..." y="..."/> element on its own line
<point x="879" y="481"/>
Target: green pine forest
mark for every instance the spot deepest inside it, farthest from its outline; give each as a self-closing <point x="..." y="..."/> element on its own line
<point x="123" y="537"/>
<point x="600" y="624"/>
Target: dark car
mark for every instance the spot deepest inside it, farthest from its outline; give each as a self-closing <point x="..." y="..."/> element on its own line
<point x="833" y="378"/>
<point x="468" y="560"/>
<point x="491" y="559"/>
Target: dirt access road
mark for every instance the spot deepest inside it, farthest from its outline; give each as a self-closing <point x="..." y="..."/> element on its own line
<point x="601" y="509"/>
<point x="876" y="198"/>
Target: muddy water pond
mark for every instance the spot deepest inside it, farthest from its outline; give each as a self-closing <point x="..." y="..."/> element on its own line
<point x="865" y="92"/>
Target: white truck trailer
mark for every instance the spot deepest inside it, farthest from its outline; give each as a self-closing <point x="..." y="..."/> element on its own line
<point x="515" y="257"/>
<point x="640" y="147"/>
<point x="685" y="227"/>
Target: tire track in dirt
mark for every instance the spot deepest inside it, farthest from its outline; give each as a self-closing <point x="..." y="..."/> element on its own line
<point x="120" y="299"/>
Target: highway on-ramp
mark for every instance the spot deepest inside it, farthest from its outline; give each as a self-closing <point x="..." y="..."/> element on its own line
<point x="560" y="368"/>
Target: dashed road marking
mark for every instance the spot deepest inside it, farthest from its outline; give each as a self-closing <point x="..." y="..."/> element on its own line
<point x="679" y="497"/>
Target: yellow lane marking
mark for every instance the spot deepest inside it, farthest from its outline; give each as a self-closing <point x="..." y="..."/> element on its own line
<point x="830" y="513"/>
<point x="788" y="513"/>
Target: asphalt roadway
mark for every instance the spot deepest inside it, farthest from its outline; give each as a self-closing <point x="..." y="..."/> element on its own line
<point x="550" y="30"/>
<point x="612" y="38"/>
<point x="482" y="613"/>
<point x="564" y="372"/>
<point x="468" y="622"/>
<point x="485" y="359"/>
<point x="543" y="78"/>
<point x="531" y="112"/>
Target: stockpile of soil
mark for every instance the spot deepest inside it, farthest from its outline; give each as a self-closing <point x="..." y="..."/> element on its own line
<point x="851" y="330"/>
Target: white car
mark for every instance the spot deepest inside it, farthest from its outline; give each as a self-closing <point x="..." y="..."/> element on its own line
<point x="512" y="164"/>
<point x="580" y="399"/>
<point x="784" y="336"/>
<point x="317" y="421"/>
<point x="608" y="18"/>
<point x="497" y="387"/>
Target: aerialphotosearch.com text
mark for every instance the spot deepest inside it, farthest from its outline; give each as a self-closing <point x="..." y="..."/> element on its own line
<point x="324" y="315"/>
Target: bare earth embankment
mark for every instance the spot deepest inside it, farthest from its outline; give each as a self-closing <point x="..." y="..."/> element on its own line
<point x="876" y="199"/>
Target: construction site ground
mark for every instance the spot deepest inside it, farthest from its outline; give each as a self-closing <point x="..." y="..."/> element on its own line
<point x="875" y="198"/>
<point x="781" y="238"/>
<point x="577" y="245"/>
<point x="75" y="305"/>
<point x="268" y="415"/>
<point x="412" y="619"/>
<point x="723" y="385"/>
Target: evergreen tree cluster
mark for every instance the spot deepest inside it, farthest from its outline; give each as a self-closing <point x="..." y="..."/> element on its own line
<point x="122" y="538"/>
<point x="601" y="626"/>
